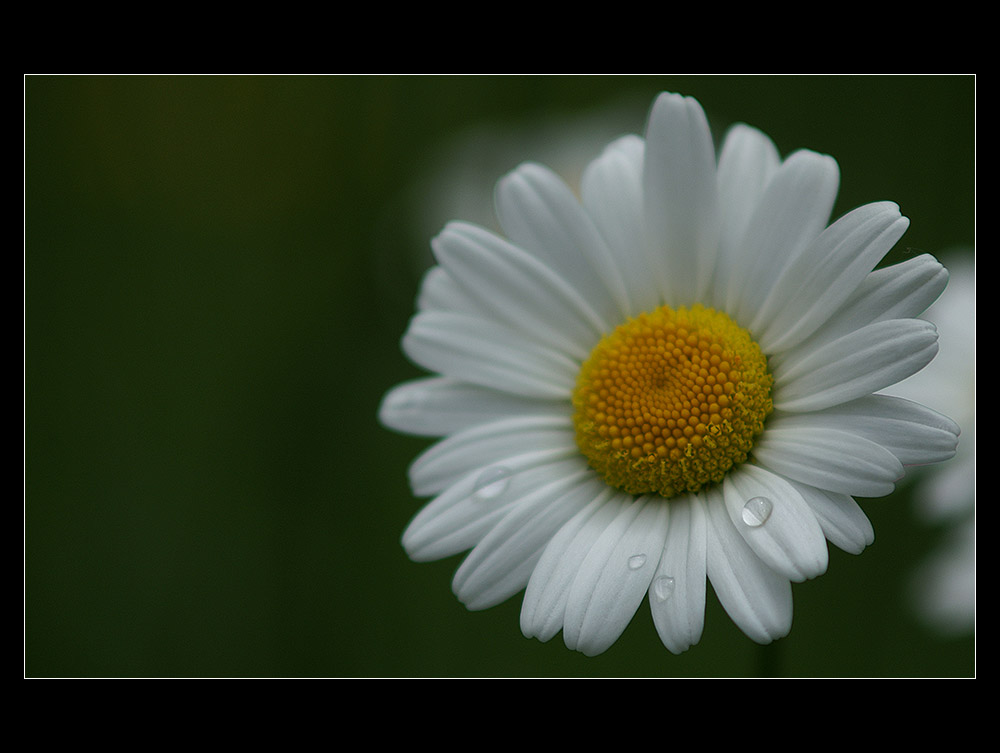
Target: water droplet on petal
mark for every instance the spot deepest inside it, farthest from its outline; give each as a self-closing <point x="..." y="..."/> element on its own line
<point x="663" y="588"/>
<point x="491" y="483"/>
<point x="636" y="561"/>
<point x="756" y="511"/>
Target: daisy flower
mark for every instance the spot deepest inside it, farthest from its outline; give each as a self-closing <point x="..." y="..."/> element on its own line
<point x="663" y="381"/>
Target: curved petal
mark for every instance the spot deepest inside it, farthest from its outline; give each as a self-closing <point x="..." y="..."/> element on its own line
<point x="774" y="519"/>
<point x="489" y="445"/>
<point x="614" y="577"/>
<point x="747" y="161"/>
<point x="500" y="565"/>
<point x="466" y="511"/>
<point x="822" y="278"/>
<point x="901" y="291"/>
<point x="794" y="210"/>
<point x="758" y="599"/>
<point x="547" y="593"/>
<point x="857" y="364"/>
<point x="829" y="459"/>
<point x="611" y="190"/>
<point x="677" y="592"/>
<point x="539" y="213"/>
<point x="913" y="433"/>
<point x="681" y="199"/>
<point x="488" y="354"/>
<point x="516" y="289"/>
<point x="438" y="406"/>
<point x="843" y="522"/>
<point x="438" y="292"/>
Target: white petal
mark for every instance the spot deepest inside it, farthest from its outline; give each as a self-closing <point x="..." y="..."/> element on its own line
<point x="829" y="459"/>
<point x="681" y="199"/>
<point x="539" y="213"/>
<point x="844" y="523"/>
<point x="901" y="291"/>
<point x="501" y="563"/>
<point x="747" y="161"/>
<point x="489" y="445"/>
<point x="516" y="289"/>
<point x="438" y="406"/>
<point x="854" y="365"/>
<point x="544" y="607"/>
<point x="677" y="592"/>
<point x="465" y="512"/>
<point x="822" y="278"/>
<point x="774" y="519"/>
<point x="611" y="191"/>
<point x="615" y="576"/>
<point x="758" y="599"/>
<point x="914" y="434"/>
<point x="438" y="292"/>
<point x="793" y="211"/>
<point x="488" y="354"/>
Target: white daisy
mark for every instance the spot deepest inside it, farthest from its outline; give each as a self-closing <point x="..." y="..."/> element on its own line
<point x="667" y="381"/>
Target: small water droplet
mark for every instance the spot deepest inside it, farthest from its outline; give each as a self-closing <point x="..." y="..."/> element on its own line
<point x="636" y="561"/>
<point x="756" y="511"/>
<point x="491" y="483"/>
<point x="663" y="588"/>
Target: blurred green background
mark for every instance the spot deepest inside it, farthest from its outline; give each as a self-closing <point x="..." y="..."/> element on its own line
<point x="217" y="273"/>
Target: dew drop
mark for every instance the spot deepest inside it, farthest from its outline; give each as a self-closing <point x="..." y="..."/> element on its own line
<point x="756" y="511"/>
<point x="636" y="561"/>
<point x="491" y="483"/>
<point x="663" y="588"/>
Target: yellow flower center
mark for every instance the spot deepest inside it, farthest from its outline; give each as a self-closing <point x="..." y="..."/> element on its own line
<point x="671" y="401"/>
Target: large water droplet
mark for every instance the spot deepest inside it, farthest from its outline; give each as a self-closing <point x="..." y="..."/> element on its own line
<point x="756" y="511"/>
<point x="663" y="588"/>
<point x="491" y="483"/>
<point x="636" y="561"/>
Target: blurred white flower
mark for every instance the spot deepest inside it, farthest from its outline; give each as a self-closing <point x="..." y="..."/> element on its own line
<point x="460" y="174"/>
<point x="943" y="587"/>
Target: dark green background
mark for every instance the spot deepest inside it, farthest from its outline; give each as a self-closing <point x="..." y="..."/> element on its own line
<point x="217" y="273"/>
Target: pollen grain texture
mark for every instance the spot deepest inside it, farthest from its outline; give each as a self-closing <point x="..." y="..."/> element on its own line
<point x="671" y="401"/>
